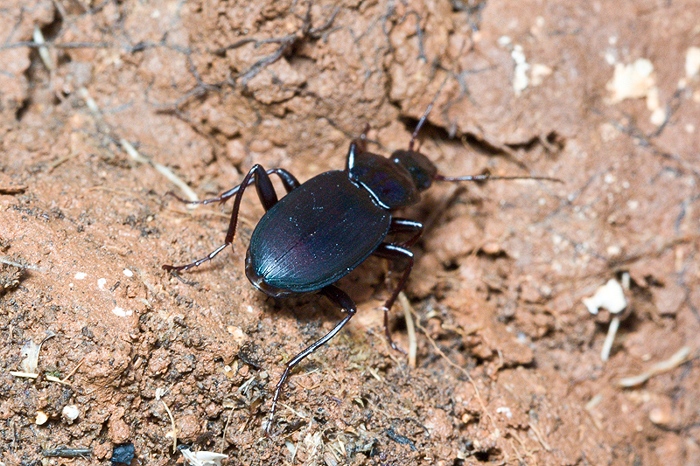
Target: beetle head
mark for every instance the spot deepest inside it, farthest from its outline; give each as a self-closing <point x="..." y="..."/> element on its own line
<point x="422" y="170"/>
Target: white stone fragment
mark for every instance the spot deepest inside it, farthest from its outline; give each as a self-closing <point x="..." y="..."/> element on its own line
<point x="692" y="62"/>
<point x="505" y="410"/>
<point x="504" y="41"/>
<point x="41" y="418"/>
<point x="202" y="458"/>
<point x="609" y="296"/>
<point x="30" y="351"/>
<point x="538" y="73"/>
<point x="119" y="312"/>
<point x="520" y="78"/>
<point x="631" y="81"/>
<point x="70" y="413"/>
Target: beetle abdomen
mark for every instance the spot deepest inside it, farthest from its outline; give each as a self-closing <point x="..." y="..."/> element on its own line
<point x="315" y="235"/>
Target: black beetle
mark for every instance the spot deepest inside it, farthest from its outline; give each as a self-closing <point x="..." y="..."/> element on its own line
<point x="324" y="228"/>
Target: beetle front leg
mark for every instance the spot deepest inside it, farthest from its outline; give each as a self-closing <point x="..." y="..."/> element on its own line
<point x="356" y="146"/>
<point x="397" y="253"/>
<point x="341" y="299"/>
<point x="266" y="194"/>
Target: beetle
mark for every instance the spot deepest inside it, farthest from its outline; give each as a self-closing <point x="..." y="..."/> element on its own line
<point x="324" y="228"/>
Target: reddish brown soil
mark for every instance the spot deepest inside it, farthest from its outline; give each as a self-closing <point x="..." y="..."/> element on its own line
<point x="508" y="362"/>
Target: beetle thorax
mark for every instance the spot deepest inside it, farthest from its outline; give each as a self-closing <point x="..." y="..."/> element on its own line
<point x="390" y="183"/>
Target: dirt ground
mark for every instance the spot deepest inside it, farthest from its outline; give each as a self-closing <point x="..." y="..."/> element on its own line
<point x="105" y="106"/>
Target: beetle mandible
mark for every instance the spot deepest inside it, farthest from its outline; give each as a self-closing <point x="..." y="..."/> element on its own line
<point x="324" y="228"/>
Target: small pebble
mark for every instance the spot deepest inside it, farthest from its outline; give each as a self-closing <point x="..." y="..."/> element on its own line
<point x="123" y="454"/>
<point x="661" y="416"/>
<point x="41" y="418"/>
<point x="70" y="413"/>
<point x="491" y="248"/>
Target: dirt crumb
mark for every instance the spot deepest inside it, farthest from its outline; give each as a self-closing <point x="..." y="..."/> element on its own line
<point x="118" y="430"/>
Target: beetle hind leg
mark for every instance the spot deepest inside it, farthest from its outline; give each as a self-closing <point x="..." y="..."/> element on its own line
<point x="341" y="299"/>
<point x="266" y="194"/>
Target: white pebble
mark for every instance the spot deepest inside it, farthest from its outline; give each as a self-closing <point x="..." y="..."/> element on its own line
<point x="41" y="418"/>
<point x="119" y="312"/>
<point x="70" y="413"/>
<point x="692" y="62"/>
<point x="505" y="410"/>
<point x="609" y="296"/>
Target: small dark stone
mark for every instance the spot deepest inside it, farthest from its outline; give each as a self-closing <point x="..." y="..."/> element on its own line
<point x="123" y="454"/>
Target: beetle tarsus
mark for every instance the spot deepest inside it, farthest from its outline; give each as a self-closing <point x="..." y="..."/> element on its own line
<point x="387" y="333"/>
<point x="197" y="263"/>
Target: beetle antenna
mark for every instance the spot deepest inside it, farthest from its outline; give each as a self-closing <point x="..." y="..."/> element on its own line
<point x="423" y="119"/>
<point x="420" y="124"/>
<point x="486" y="177"/>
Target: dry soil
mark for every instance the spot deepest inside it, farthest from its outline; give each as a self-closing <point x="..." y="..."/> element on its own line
<point x="101" y="100"/>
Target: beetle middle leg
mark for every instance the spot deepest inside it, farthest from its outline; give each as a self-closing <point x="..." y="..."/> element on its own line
<point x="341" y="299"/>
<point x="401" y="226"/>
<point x="398" y="253"/>
<point x="266" y="194"/>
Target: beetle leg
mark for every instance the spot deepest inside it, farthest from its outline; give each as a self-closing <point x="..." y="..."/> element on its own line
<point x="404" y="225"/>
<point x="268" y="198"/>
<point x="338" y="297"/>
<point x="357" y="145"/>
<point x="289" y="182"/>
<point x="395" y="252"/>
